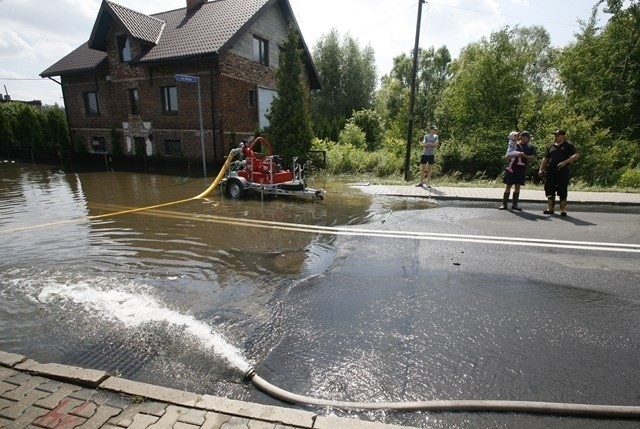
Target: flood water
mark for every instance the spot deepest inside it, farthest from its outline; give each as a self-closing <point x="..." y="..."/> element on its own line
<point x="192" y="294"/>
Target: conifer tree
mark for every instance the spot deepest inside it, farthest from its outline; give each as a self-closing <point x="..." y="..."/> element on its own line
<point x="290" y="125"/>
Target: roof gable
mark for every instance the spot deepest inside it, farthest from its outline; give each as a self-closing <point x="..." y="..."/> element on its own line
<point x="138" y="26"/>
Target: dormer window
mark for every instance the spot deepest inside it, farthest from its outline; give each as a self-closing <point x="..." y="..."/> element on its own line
<point x="124" y="49"/>
<point x="260" y="50"/>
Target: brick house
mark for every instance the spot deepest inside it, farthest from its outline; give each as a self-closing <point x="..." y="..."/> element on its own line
<point x="124" y="77"/>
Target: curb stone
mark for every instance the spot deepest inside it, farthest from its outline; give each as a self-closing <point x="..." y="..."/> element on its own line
<point x="33" y="395"/>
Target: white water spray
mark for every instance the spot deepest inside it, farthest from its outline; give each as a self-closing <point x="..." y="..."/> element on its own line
<point x="135" y="309"/>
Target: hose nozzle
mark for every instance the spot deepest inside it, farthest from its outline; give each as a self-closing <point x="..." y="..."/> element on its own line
<point x="248" y="374"/>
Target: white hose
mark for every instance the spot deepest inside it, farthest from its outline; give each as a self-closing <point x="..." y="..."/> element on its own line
<point x="531" y="407"/>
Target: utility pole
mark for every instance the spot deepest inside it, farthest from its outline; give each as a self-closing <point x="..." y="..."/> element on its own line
<point x="407" y="158"/>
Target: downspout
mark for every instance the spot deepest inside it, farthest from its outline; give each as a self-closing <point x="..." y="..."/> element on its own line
<point x="213" y="109"/>
<point x="66" y="114"/>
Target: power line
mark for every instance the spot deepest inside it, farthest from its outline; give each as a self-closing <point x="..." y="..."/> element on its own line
<point x="21" y="78"/>
<point x="410" y="8"/>
<point x="486" y="12"/>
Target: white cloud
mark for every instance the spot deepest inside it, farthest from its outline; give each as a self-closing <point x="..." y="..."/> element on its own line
<point x="12" y="45"/>
<point x="11" y="74"/>
<point x="36" y="33"/>
<point x="85" y="8"/>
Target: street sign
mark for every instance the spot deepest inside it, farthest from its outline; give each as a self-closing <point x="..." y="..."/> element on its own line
<point x="186" y="78"/>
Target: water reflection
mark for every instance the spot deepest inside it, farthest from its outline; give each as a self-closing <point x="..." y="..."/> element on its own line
<point x="170" y="295"/>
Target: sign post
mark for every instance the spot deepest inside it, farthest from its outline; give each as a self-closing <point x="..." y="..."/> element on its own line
<point x="195" y="79"/>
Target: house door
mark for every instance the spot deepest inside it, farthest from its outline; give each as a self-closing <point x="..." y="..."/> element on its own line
<point x="140" y="146"/>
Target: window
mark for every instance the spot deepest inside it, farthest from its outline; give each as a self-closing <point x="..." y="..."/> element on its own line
<point x="98" y="144"/>
<point x="133" y="101"/>
<point x="169" y="99"/>
<point x="260" y="50"/>
<point x="91" y="105"/>
<point x="173" y="147"/>
<point x="252" y="98"/>
<point x="124" y="49"/>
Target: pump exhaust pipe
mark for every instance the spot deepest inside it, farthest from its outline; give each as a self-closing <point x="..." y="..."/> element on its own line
<point x="528" y="407"/>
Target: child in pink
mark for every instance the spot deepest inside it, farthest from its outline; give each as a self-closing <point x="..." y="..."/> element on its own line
<point x="513" y="152"/>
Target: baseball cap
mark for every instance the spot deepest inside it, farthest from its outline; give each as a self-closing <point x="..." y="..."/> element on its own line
<point x="559" y="131"/>
<point x="525" y="133"/>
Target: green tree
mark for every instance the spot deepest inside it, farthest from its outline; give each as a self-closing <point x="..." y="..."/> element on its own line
<point x="432" y="78"/>
<point x="607" y="85"/>
<point x="56" y="131"/>
<point x="392" y="104"/>
<point x="6" y="125"/>
<point x="352" y="135"/>
<point x="370" y="123"/>
<point x="497" y="85"/>
<point x="617" y="6"/>
<point x="10" y="113"/>
<point x="27" y="129"/>
<point x="290" y="124"/>
<point x="348" y="77"/>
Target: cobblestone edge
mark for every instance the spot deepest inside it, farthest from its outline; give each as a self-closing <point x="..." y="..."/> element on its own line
<point x="100" y="380"/>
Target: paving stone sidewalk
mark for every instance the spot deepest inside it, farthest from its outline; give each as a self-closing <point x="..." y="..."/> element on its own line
<point x="495" y="194"/>
<point x="35" y="396"/>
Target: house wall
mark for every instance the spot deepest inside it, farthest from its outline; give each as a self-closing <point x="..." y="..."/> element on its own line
<point x="271" y="26"/>
<point x="151" y="124"/>
<point x="225" y="83"/>
<point x="240" y="74"/>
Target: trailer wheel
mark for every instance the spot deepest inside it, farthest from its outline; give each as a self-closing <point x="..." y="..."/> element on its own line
<point x="235" y="189"/>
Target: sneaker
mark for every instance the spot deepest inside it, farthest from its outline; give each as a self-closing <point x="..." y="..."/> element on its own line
<point x="548" y="212"/>
<point x="419" y="185"/>
<point x="502" y="208"/>
<point x="563" y="213"/>
<point x="516" y="208"/>
<point x="429" y="186"/>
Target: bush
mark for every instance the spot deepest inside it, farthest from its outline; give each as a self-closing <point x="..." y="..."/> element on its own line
<point x="630" y="178"/>
<point x="371" y="124"/>
<point x="353" y="135"/>
<point x="348" y="159"/>
<point x="477" y="157"/>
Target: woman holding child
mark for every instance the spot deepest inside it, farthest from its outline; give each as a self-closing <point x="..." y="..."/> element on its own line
<point x="516" y="173"/>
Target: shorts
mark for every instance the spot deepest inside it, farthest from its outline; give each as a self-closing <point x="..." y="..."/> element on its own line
<point x="515" y="177"/>
<point x="427" y="159"/>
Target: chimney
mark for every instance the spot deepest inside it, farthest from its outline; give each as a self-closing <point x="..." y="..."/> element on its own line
<point x="192" y="4"/>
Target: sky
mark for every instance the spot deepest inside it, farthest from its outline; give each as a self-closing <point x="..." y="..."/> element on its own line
<point x="34" y="34"/>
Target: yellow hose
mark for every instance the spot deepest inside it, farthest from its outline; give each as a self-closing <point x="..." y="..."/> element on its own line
<point x="216" y="182"/>
<point x="204" y="194"/>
